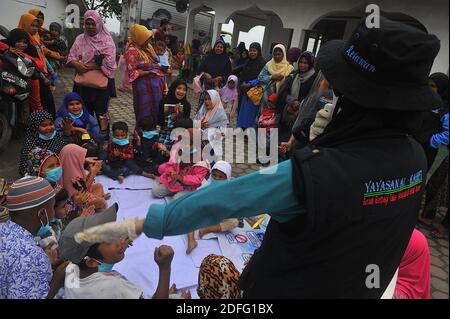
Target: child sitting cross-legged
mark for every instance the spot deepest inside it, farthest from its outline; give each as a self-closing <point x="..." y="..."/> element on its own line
<point x="120" y="154"/>
<point x="184" y="172"/>
<point x="152" y="153"/>
<point x="84" y="278"/>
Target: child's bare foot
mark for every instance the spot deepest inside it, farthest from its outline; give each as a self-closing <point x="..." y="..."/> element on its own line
<point x="120" y="179"/>
<point x="107" y="196"/>
<point x="191" y="246"/>
<point x="149" y="175"/>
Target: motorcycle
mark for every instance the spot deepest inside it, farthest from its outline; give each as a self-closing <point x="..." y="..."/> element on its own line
<point x="15" y="86"/>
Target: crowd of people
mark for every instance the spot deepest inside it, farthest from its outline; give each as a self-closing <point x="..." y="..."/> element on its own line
<point x="58" y="203"/>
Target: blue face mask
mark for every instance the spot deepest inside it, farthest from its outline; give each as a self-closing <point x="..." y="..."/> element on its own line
<point x="120" y="141"/>
<point x="75" y="117"/>
<point x="193" y="151"/>
<point x="55" y="220"/>
<point x="46" y="138"/>
<point x="149" y="134"/>
<point x="44" y="229"/>
<point x="104" y="267"/>
<point x="54" y="175"/>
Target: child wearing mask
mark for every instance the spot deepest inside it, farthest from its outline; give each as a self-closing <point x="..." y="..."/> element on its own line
<point x="83" y="126"/>
<point x="120" y="154"/>
<point x="87" y="258"/>
<point x="151" y="153"/>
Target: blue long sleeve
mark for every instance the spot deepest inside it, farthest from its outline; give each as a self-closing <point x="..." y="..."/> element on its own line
<point x="246" y="196"/>
<point x="441" y="139"/>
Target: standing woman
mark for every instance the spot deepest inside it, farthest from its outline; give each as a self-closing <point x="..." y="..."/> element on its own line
<point x="147" y="82"/>
<point x="30" y="24"/>
<point x="274" y="73"/>
<point x="247" y="110"/>
<point x="95" y="50"/>
<point x="216" y="68"/>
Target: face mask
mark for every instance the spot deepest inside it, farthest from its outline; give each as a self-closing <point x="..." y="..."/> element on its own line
<point x="54" y="175"/>
<point x="44" y="228"/>
<point x="46" y="138"/>
<point x="149" y="134"/>
<point x="120" y="141"/>
<point x="75" y="117"/>
<point x="104" y="267"/>
<point x="193" y="151"/>
<point x="55" y="220"/>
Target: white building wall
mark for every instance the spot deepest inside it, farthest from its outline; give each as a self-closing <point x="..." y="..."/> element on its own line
<point x="303" y="14"/>
<point x="11" y="10"/>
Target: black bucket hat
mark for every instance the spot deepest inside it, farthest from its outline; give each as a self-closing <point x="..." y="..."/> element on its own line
<point x="382" y="68"/>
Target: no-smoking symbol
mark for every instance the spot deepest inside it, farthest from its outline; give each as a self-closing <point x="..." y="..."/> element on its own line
<point x="241" y="239"/>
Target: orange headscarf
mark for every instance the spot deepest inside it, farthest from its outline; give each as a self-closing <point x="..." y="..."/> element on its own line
<point x="25" y="22"/>
<point x="35" y="11"/>
<point x="139" y="34"/>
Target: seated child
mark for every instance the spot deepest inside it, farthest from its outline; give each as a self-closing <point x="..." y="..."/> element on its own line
<point x="120" y="154"/>
<point x="46" y="164"/>
<point x="229" y="96"/>
<point x="85" y="281"/>
<point x="221" y="171"/>
<point x="152" y="153"/>
<point x="177" y="177"/>
<point x="84" y="127"/>
<point x="218" y="279"/>
<point x="74" y="179"/>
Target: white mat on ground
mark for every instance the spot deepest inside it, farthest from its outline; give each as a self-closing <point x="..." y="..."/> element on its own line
<point x="138" y="266"/>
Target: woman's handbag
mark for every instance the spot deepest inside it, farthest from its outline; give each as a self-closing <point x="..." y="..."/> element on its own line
<point x="92" y="79"/>
<point x="255" y="95"/>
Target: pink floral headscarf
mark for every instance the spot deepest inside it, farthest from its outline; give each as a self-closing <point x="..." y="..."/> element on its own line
<point x="86" y="46"/>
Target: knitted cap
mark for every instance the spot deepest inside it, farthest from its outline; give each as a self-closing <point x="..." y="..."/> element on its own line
<point x="29" y="192"/>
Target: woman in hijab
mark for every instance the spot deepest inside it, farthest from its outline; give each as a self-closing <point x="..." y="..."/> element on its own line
<point x="212" y="113"/>
<point x="216" y="68"/>
<point x="95" y="50"/>
<point x="218" y="278"/>
<point x="274" y="74"/>
<point x="229" y="96"/>
<point x="247" y="110"/>
<point x="19" y="41"/>
<point x="240" y="62"/>
<point x="75" y="180"/>
<point x="168" y="114"/>
<point x="30" y="24"/>
<point x="73" y="108"/>
<point x="146" y="79"/>
<point x="294" y="90"/>
<point x="41" y="133"/>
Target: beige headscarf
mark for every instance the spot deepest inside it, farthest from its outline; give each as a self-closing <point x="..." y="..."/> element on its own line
<point x="284" y="67"/>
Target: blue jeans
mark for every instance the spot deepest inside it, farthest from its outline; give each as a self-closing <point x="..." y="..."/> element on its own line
<point x="115" y="169"/>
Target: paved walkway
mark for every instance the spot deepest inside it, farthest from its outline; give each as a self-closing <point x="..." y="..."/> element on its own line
<point x="121" y="108"/>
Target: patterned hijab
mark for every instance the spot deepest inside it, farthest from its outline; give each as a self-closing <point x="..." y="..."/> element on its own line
<point x="139" y="34"/>
<point x="32" y="139"/>
<point x="218" y="279"/>
<point x="36" y="158"/>
<point x="102" y="43"/>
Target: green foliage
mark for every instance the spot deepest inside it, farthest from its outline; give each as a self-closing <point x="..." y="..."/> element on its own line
<point x="106" y="8"/>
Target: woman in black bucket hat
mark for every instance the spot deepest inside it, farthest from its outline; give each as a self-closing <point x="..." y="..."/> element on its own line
<point x="344" y="207"/>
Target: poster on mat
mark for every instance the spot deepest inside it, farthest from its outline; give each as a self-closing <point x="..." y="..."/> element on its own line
<point x="238" y="245"/>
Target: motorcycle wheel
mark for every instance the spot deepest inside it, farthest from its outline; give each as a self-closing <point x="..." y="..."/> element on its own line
<point x="5" y="132"/>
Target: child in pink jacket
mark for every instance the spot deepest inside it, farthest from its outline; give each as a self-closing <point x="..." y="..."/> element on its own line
<point x="178" y="178"/>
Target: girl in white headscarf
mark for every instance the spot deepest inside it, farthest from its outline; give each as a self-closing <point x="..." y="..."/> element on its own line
<point x="212" y="113"/>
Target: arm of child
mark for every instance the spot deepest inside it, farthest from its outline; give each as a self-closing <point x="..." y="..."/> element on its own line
<point x="163" y="257"/>
<point x="196" y="178"/>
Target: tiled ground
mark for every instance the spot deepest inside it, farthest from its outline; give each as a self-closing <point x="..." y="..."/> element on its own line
<point x="121" y="108"/>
